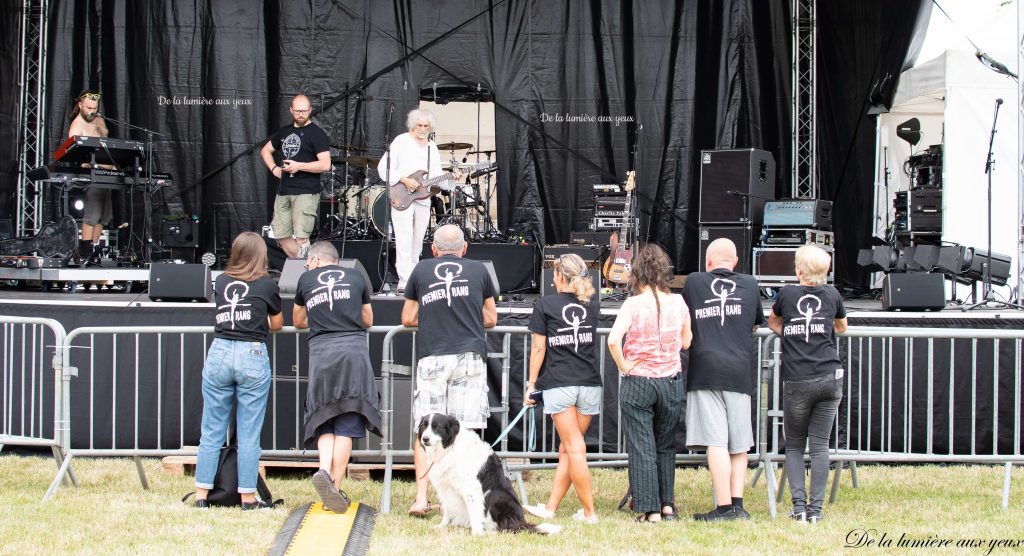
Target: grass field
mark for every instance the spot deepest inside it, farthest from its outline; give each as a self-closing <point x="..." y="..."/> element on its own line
<point x="110" y="514"/>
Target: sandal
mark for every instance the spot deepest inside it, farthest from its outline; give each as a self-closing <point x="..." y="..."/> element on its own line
<point x="672" y="515"/>
<point x="421" y="511"/>
<point x="646" y="517"/>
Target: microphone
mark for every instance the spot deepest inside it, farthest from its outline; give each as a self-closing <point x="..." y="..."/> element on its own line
<point x="736" y="193"/>
<point x="96" y="113"/>
<point x="999" y="101"/>
<point x="430" y="136"/>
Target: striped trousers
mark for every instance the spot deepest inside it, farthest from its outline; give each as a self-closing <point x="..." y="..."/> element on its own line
<point x="651" y="408"/>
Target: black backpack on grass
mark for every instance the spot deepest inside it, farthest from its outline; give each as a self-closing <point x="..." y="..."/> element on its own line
<point x="225" y="484"/>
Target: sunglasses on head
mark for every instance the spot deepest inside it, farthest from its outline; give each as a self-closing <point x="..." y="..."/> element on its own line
<point x="89" y="95"/>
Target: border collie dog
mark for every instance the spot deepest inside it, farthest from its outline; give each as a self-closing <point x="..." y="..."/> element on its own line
<point x="473" y="490"/>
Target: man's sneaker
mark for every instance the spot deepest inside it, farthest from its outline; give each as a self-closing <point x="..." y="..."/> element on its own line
<point x="798" y="516"/>
<point x="581" y="516"/>
<point x="715" y="515"/>
<point x="332" y="498"/>
<point x="303" y="250"/>
<point x="813" y="517"/>
<point x="539" y="510"/>
<point x="741" y="513"/>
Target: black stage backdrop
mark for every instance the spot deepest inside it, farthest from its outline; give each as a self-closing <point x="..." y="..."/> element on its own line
<point x="216" y="77"/>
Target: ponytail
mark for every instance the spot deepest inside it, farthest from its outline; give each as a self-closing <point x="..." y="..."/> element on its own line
<point x="577" y="277"/>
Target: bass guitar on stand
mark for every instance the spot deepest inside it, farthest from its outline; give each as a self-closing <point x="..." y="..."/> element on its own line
<point x="620" y="262"/>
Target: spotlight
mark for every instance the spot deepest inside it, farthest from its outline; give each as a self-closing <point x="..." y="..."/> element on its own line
<point x="976" y="267"/>
<point x="925" y="258"/>
<point x="879" y="258"/>
<point x="954" y="260"/>
<point x="209" y="259"/>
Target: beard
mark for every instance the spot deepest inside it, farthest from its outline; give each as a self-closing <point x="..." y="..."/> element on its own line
<point x="88" y="116"/>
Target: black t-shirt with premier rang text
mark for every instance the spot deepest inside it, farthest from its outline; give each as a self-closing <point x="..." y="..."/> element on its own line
<point x="450" y="291"/>
<point x="724" y="307"/>
<point x="570" y="330"/>
<point x="334" y="299"/>
<point x="243" y="307"/>
<point x="809" y="348"/>
<point x="301" y="144"/>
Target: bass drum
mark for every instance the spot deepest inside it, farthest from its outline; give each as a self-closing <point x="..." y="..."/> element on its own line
<point x="379" y="213"/>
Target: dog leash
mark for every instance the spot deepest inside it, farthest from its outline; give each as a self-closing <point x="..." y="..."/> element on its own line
<point x="531" y="428"/>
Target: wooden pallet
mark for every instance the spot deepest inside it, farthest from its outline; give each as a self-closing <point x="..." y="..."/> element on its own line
<point x="182" y="465"/>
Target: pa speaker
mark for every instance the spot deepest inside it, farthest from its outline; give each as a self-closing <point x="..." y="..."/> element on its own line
<point x="179" y="282"/>
<point x="547" y="283"/>
<point x="914" y="291"/>
<point x="357" y="266"/>
<point x="289" y="280"/>
<point x="735" y="185"/>
<point x="489" y="265"/>
<point x="742" y="236"/>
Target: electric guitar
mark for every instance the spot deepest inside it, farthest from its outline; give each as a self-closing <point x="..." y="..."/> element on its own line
<point x="401" y="198"/>
<point x="618" y="265"/>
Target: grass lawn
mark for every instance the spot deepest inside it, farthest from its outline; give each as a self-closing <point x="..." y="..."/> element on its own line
<point x="111" y="514"/>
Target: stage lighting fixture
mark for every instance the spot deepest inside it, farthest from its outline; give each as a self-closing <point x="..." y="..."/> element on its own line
<point x="209" y="259"/>
<point x="910" y="131"/>
<point x="954" y="260"/>
<point x="976" y="267"/>
<point x="925" y="257"/>
<point x="880" y="258"/>
<point x="76" y="204"/>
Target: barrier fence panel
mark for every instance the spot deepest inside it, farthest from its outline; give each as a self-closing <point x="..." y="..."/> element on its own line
<point x="31" y="367"/>
<point x="138" y="392"/>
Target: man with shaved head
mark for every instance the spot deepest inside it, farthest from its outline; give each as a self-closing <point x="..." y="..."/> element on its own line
<point x="451" y="300"/>
<point x="725" y="309"/>
<point x="305" y="153"/>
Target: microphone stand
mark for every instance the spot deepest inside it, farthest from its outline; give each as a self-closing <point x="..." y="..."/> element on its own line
<point x="384" y="286"/>
<point x="148" y="191"/>
<point x="988" y="296"/>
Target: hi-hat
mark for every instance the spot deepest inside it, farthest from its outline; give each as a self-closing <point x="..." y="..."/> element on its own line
<point x="454" y="146"/>
<point x="361" y="161"/>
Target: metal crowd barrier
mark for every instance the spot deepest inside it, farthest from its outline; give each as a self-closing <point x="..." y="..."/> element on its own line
<point x="898" y="406"/>
<point x="112" y="363"/>
<point x="31" y="394"/>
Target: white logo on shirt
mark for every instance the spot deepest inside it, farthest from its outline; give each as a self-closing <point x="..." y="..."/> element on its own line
<point x="448" y="276"/>
<point x="723" y="290"/>
<point x="234" y="293"/>
<point x="330" y="279"/>
<point x="808" y="306"/>
<point x="573" y="315"/>
<point x="291" y="145"/>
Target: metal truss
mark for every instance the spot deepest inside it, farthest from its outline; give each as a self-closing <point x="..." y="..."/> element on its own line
<point x="31" y="118"/>
<point x="805" y="123"/>
<point x="1020" y="153"/>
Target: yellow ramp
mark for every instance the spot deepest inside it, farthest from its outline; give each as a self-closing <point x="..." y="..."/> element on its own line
<point x="311" y="529"/>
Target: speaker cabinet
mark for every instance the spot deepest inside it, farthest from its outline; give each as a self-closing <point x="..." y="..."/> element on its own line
<point x="179" y="282"/>
<point x="913" y="291"/>
<point x="180" y="233"/>
<point x="742" y="236"/>
<point x="735" y="185"/>
<point x="489" y="265"/>
<point x="289" y="280"/>
<point x="547" y="284"/>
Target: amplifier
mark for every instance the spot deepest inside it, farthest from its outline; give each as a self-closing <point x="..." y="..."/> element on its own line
<point x="811" y="213"/>
<point x="590" y="238"/>
<point x="776" y="266"/>
<point x="27" y="261"/>
<point x="610" y="222"/>
<point x="798" y="237"/>
<point x="608" y="189"/>
<point x="610" y="206"/>
<point x="591" y="254"/>
<point x="924" y="201"/>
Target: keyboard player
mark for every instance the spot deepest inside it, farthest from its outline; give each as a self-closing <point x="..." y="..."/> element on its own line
<point x="86" y="120"/>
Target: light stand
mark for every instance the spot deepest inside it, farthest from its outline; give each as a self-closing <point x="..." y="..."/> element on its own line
<point x="988" y="296"/>
<point x="386" y="242"/>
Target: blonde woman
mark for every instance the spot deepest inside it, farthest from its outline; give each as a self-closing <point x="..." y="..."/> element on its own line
<point x="656" y="326"/>
<point x="238" y="367"/>
<point x="563" y="368"/>
<point x="807" y="318"/>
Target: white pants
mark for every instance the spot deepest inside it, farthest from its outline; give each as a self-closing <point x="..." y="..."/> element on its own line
<point x="410" y="226"/>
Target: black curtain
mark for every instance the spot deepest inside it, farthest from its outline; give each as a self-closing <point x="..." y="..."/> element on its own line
<point x="215" y="78"/>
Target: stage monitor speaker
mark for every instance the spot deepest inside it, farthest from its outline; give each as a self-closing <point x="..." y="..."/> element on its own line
<point x="289" y="280"/>
<point x="742" y="236"/>
<point x="179" y="282"/>
<point x="180" y="233"/>
<point x="547" y="283"/>
<point x="914" y="291"/>
<point x="489" y="265"/>
<point x="354" y="264"/>
<point x="734" y="180"/>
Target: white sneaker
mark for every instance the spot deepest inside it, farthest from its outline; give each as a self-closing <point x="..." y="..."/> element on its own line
<point x="539" y="510"/>
<point x="581" y="517"/>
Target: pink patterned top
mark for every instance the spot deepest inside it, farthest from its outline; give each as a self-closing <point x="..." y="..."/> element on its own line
<point x="655" y="346"/>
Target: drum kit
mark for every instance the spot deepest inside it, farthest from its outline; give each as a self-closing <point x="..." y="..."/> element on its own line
<point x="358" y="199"/>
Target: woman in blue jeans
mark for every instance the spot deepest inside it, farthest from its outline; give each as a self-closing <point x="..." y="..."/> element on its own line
<point x="807" y="317"/>
<point x="238" y="367"/>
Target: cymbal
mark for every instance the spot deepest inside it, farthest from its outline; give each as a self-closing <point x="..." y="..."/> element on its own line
<point x="454" y="146"/>
<point x="489" y="151"/>
<point x="362" y="161"/>
<point x="341" y="147"/>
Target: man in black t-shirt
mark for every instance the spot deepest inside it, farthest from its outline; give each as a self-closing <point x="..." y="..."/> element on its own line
<point x="342" y="400"/>
<point x="725" y="307"/>
<point x="451" y="300"/>
<point x="306" y="153"/>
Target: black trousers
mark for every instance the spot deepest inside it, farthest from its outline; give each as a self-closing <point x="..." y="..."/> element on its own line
<point x="808" y="413"/>
<point x="651" y="408"/>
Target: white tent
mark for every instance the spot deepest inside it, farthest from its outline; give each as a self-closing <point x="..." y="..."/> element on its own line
<point x="954" y="97"/>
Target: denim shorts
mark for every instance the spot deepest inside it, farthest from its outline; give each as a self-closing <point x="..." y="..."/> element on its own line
<point x="587" y="398"/>
<point x="347" y="424"/>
